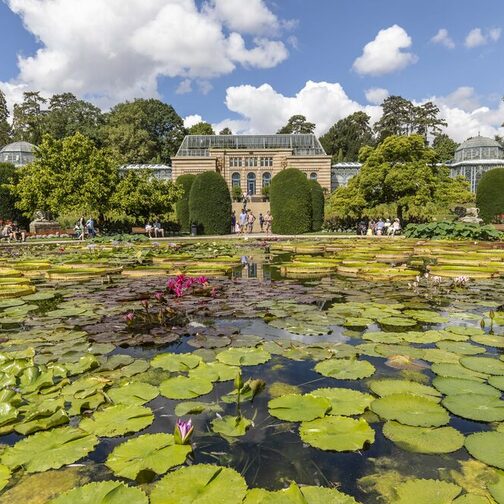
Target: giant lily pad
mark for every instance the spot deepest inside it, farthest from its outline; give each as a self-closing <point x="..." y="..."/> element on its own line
<point x="449" y="370"/>
<point x="337" y="433"/>
<point x="345" y="402"/>
<point x="133" y="393"/>
<point x="345" y="369"/>
<point x="176" y="362"/>
<point x="484" y="365"/>
<point x="49" y="450"/>
<point x="297" y="408"/>
<point x="454" y="386"/>
<point x="105" y="492"/>
<point x="201" y="484"/>
<point x="181" y="387"/>
<point x="424" y="439"/>
<point x="386" y="387"/>
<point x="422" y="491"/>
<point x="4" y="476"/>
<point x="483" y="408"/>
<point x="243" y="356"/>
<point x="487" y="447"/>
<point x="411" y="409"/>
<point x="118" y="420"/>
<point x="150" y="452"/>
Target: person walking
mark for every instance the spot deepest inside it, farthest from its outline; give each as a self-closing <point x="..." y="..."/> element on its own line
<point x="243" y="220"/>
<point x="91" y="227"/>
<point x="268" y="219"/>
<point x="233" y="222"/>
<point x="82" y="228"/>
<point x="250" y="221"/>
<point x="261" y="222"/>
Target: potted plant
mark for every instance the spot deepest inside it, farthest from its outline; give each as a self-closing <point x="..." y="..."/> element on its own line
<point x="265" y="192"/>
<point x="236" y="193"/>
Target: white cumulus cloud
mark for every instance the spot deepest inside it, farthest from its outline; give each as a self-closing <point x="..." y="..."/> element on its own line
<point x="442" y="37"/>
<point x="376" y="95"/>
<point x="386" y="54"/>
<point x="191" y="120"/>
<point x="478" y="37"/>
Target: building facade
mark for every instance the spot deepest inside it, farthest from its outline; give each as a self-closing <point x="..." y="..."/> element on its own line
<point x="251" y="161"/>
<point x="17" y="153"/>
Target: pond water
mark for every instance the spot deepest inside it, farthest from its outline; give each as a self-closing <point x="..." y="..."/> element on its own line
<point x="371" y="369"/>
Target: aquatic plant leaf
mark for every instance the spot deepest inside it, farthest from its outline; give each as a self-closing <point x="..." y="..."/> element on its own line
<point x="85" y="363"/>
<point x="483" y="408"/>
<point x="176" y="362"/>
<point x="49" y="450"/>
<point x="491" y="340"/>
<point x="337" y="433"/>
<point x="345" y="402"/>
<point x="118" y="420"/>
<point x="60" y="417"/>
<point x="297" y="408"/>
<point x="243" y="356"/>
<point x="426" y="316"/>
<point x="496" y="488"/>
<point x="426" y="491"/>
<point x="150" y="452"/>
<point x="4" y="476"/>
<point x="233" y="426"/>
<point x="397" y="322"/>
<point x="196" y="408"/>
<point x="497" y="382"/>
<point x="471" y="499"/>
<point x="133" y="393"/>
<point x="181" y="387"/>
<point x="424" y="439"/>
<point x="279" y="389"/>
<point x="386" y="387"/>
<point x="201" y="483"/>
<point x="488" y="447"/>
<point x="460" y="347"/>
<point x="485" y="365"/>
<point x="104" y="492"/>
<point x="8" y="413"/>
<point x="411" y="409"/>
<point x="454" y="386"/>
<point x="458" y="371"/>
<point x="345" y="369"/>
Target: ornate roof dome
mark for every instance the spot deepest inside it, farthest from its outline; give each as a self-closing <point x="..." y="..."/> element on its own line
<point x="479" y="148"/>
<point x="17" y="153"/>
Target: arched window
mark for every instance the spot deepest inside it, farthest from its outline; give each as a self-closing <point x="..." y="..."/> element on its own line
<point x="236" y="179"/>
<point x="251" y="183"/>
<point x="266" y="179"/>
<point x="313" y="176"/>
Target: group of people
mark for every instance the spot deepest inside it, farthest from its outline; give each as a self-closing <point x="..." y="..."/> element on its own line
<point x="85" y="228"/>
<point x="154" y="230"/>
<point x="245" y="222"/>
<point x="380" y="227"/>
<point x="12" y="232"/>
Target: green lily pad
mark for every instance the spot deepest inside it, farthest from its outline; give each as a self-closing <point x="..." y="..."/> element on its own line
<point x="460" y="347"/>
<point x="176" y="362"/>
<point x="488" y="447"/>
<point x="471" y="499"/>
<point x="465" y="331"/>
<point x="5" y="475"/>
<point x="386" y="387"/>
<point x="411" y="410"/>
<point x="233" y="426"/>
<point x="425" y="491"/>
<point x="133" y="393"/>
<point x="60" y="417"/>
<point x="345" y="402"/>
<point x="454" y="386"/>
<point x="297" y="408"/>
<point x="345" y="369"/>
<point x="49" y="450"/>
<point x="485" y="365"/>
<point x="337" y="433"/>
<point x="201" y="483"/>
<point x="196" y="408"/>
<point x="426" y="316"/>
<point x="483" y="408"/>
<point x="490" y="340"/>
<point x="118" y="420"/>
<point x="497" y="382"/>
<point x="8" y="413"/>
<point x="243" y="356"/>
<point x="457" y="371"/>
<point x="496" y="489"/>
<point x="397" y="322"/>
<point x="181" y="387"/>
<point x="424" y="439"/>
<point x="151" y="452"/>
<point x="109" y="492"/>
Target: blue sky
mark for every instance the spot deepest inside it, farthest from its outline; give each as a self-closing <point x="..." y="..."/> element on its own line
<point x="210" y="59"/>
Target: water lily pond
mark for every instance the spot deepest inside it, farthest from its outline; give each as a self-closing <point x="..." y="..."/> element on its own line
<point x="336" y="371"/>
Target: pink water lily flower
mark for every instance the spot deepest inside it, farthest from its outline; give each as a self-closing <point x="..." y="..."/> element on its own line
<point x="183" y="431"/>
<point x="129" y="317"/>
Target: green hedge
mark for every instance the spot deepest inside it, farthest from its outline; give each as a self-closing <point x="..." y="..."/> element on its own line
<point x="210" y="204"/>
<point x="291" y="202"/>
<point x="490" y="194"/>
<point x="452" y="231"/>
<point x="182" y="206"/>
<point x="318" y="201"/>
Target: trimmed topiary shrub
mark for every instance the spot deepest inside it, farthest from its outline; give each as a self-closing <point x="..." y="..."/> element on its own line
<point x="182" y="206"/>
<point x="490" y="194"/>
<point x="210" y="204"/>
<point x="291" y="203"/>
<point x="317" y="200"/>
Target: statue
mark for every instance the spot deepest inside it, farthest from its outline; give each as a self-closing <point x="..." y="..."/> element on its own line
<point x="42" y="224"/>
<point x="471" y="216"/>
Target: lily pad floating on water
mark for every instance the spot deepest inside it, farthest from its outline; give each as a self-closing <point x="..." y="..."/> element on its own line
<point x="489" y="340"/>
<point x="386" y="387"/>
<point x="424" y="439"/>
<point x="297" y="408"/>
<point x="344" y="402"/>
<point x="133" y="393"/>
<point x="243" y="356"/>
<point x="409" y="409"/>
<point x="49" y="450"/>
<point x="345" y="369"/>
<point x="454" y="386"/>
<point x="118" y="420"/>
<point x="497" y="382"/>
<point x="233" y="426"/>
<point x="110" y="492"/>
<point x="426" y="491"/>
<point x="337" y="433"/>
<point x="181" y="387"/>
<point x="460" y="347"/>
<point x="201" y="483"/>
<point x="196" y="408"/>
<point x="176" y="362"/>
<point x="450" y="370"/>
<point x="397" y="322"/>
<point x="482" y="408"/>
<point x="488" y="447"/>
<point x="151" y="452"/>
<point x="486" y="365"/>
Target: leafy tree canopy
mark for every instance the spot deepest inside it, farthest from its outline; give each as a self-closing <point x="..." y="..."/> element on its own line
<point x="445" y="147"/>
<point x="28" y="118"/>
<point x="5" y="129"/>
<point x="346" y="137"/>
<point x="297" y="124"/>
<point x="8" y="178"/>
<point x="201" y="128"/>
<point x="225" y="131"/>
<point x="399" y="178"/>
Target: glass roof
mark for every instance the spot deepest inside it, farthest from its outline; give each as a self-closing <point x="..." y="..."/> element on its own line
<point x="300" y="145"/>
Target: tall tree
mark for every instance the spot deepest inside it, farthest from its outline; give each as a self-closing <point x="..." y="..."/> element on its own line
<point x="5" y="129"/>
<point x="143" y="131"/>
<point x="444" y="147"/>
<point x="297" y="124"/>
<point x="427" y="122"/>
<point x="345" y="138"/>
<point x="201" y="128"/>
<point x="28" y="118"/>
<point x="8" y="179"/>
<point x="225" y="131"/>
